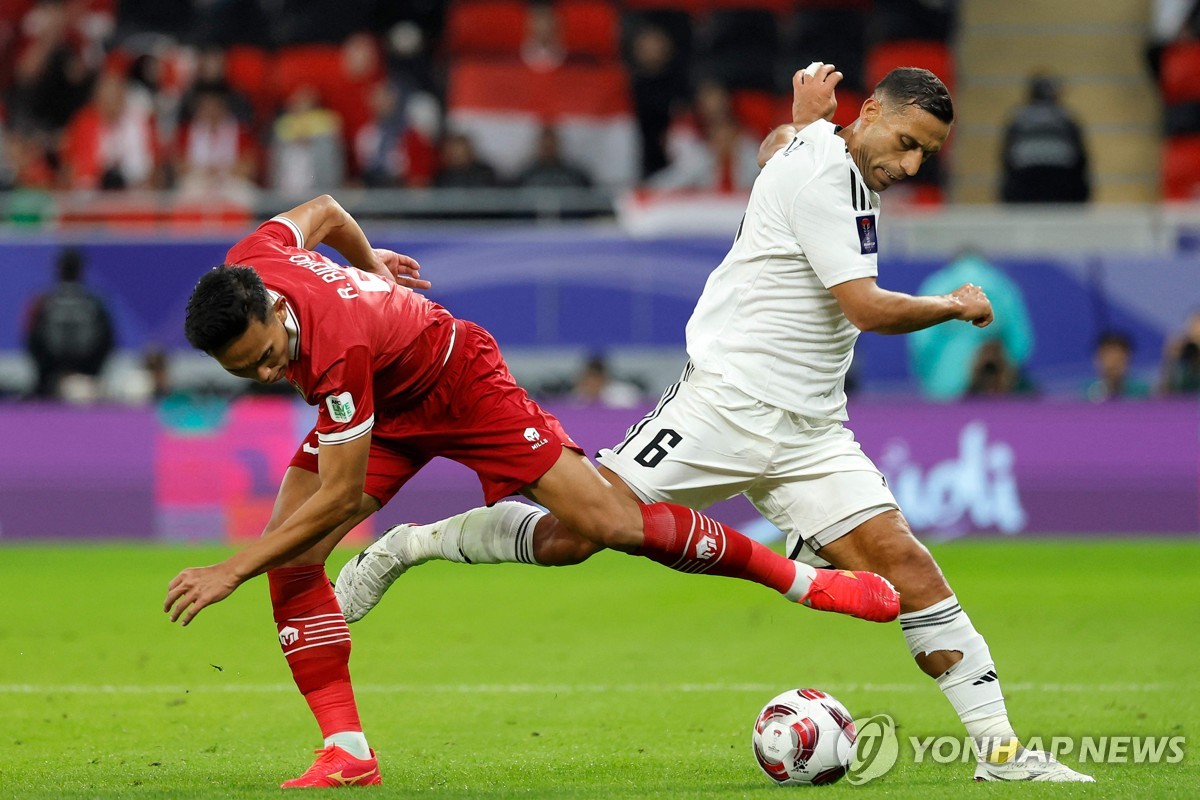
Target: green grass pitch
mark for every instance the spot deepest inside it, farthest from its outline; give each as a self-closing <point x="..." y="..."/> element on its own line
<point x="613" y="679"/>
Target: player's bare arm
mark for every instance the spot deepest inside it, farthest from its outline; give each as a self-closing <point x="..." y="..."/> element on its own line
<point x="872" y="308"/>
<point x="812" y="99"/>
<point x="343" y="469"/>
<point x="323" y="220"/>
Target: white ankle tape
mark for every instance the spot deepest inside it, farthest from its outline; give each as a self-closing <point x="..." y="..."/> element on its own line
<point x="971" y="685"/>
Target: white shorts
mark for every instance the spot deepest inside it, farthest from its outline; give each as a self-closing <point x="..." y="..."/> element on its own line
<point x="708" y="441"/>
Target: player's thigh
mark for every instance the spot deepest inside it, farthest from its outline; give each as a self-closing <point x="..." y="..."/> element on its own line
<point x="704" y="442"/>
<point x="885" y="544"/>
<point x="297" y="487"/>
<point x="813" y="509"/>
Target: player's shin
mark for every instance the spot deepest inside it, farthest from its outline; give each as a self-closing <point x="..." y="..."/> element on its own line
<point x="499" y="534"/>
<point x="316" y="644"/>
<point x="971" y="685"/>
<point x="688" y="541"/>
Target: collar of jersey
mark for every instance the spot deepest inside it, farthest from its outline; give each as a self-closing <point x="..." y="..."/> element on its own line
<point x="291" y="324"/>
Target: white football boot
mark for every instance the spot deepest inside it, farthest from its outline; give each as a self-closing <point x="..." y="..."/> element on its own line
<point x="1029" y="765"/>
<point x="362" y="582"/>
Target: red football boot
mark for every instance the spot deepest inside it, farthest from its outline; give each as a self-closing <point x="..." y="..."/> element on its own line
<point x="335" y="767"/>
<point x="860" y="594"/>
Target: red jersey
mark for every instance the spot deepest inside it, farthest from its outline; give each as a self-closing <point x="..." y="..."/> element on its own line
<point x="359" y="343"/>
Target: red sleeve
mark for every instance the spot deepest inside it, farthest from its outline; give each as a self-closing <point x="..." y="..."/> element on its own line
<point x="275" y="234"/>
<point x="345" y="406"/>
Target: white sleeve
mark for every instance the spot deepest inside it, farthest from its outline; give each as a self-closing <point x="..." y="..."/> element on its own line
<point x="832" y="219"/>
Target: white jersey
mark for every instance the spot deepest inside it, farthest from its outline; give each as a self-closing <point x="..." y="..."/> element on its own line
<point x="767" y="322"/>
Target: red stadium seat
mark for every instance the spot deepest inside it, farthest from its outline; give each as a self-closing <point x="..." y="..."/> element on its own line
<point x="933" y="56"/>
<point x="1180" y="80"/>
<point x="606" y="91"/>
<point x="849" y="104"/>
<point x="759" y="111"/>
<point x="1181" y="168"/>
<point x="502" y="105"/>
<point x="249" y="71"/>
<point x="486" y="27"/>
<point x="316" y="65"/>
<point x="589" y="27"/>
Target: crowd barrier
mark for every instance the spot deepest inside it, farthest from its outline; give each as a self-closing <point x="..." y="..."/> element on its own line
<point x="188" y="471"/>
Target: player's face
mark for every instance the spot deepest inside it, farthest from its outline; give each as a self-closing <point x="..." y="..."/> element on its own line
<point x="891" y="143"/>
<point x="261" y="353"/>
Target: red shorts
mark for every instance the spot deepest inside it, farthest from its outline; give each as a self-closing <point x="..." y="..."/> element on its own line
<point x="475" y="414"/>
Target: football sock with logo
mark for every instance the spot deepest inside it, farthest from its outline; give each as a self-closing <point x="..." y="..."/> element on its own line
<point x="687" y="541"/>
<point x="971" y="685"/>
<point x="500" y="534"/>
<point x="316" y="644"/>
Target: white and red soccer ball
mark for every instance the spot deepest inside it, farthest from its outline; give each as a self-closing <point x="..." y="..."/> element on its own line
<point x="804" y="736"/>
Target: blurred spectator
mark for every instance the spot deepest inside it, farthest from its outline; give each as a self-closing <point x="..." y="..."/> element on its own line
<point x="942" y="356"/>
<point x="54" y="68"/>
<point x="1170" y="21"/>
<point x="151" y="87"/>
<point x="69" y="334"/>
<point x="212" y="69"/>
<point x="110" y="142"/>
<point x="659" y="87"/>
<point x="993" y="373"/>
<point x="708" y="147"/>
<point x="1181" y="360"/>
<point x="461" y="168"/>
<point x="24" y="161"/>
<point x="216" y="153"/>
<point x="542" y="50"/>
<point x="548" y="168"/>
<point x="595" y="385"/>
<point x="395" y="147"/>
<point x="307" y="154"/>
<point x="1112" y="356"/>
<point x="1045" y="159"/>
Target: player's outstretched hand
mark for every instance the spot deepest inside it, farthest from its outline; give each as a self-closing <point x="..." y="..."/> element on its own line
<point x="974" y="306"/>
<point x="403" y="269"/>
<point x="195" y="588"/>
<point x="812" y="95"/>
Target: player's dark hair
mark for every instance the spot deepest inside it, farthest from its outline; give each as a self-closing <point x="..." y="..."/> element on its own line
<point x="222" y="306"/>
<point x="913" y="86"/>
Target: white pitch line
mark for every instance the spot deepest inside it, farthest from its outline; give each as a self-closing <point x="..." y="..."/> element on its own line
<point x="538" y="688"/>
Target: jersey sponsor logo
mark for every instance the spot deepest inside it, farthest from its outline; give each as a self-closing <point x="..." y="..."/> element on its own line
<point x="341" y="406"/>
<point x="288" y="635"/>
<point x="706" y="548"/>
<point x="532" y="435"/>
<point x="867" y="235"/>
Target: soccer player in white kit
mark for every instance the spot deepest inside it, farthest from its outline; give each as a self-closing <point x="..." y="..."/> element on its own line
<point x="760" y="407"/>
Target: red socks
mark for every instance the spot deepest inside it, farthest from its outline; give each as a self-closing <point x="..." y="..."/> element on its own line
<point x="316" y="643"/>
<point x="688" y="541"/>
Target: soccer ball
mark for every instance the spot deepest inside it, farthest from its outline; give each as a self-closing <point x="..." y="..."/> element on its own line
<point x="804" y="736"/>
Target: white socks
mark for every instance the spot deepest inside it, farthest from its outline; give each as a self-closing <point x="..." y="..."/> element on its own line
<point x="353" y="742"/>
<point x="500" y="534"/>
<point x="804" y="578"/>
<point x="971" y="685"/>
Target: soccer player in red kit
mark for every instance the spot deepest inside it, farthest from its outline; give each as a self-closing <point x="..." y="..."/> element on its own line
<point x="397" y="381"/>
